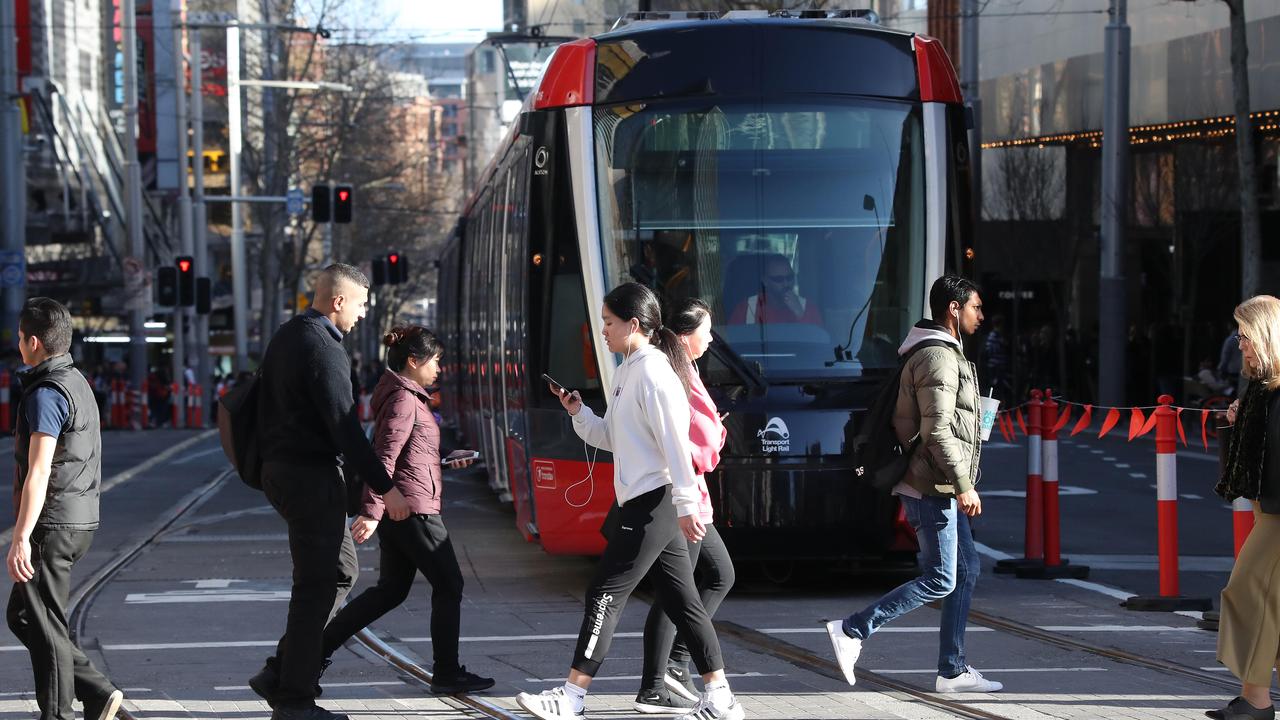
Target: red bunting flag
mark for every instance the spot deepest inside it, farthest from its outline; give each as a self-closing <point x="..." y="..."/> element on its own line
<point x="1006" y="427"/>
<point x="1022" y="425"/>
<point x="1204" y="429"/>
<point x="1113" y="418"/>
<point x="1063" y="419"/>
<point x="1083" y="423"/>
<point x="1136" y="421"/>
<point x="1182" y="433"/>
<point x="1148" y="426"/>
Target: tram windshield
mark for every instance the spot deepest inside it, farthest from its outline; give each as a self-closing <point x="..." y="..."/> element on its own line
<point x="800" y="224"/>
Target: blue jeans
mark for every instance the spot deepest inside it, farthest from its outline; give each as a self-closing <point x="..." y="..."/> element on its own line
<point x="951" y="568"/>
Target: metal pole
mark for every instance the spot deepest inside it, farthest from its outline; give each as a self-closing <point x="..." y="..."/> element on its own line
<point x="204" y="373"/>
<point x="1112" y="311"/>
<point x="133" y="187"/>
<point x="180" y="313"/>
<point x="969" y="83"/>
<point x="14" y="225"/>
<point x="239" y="294"/>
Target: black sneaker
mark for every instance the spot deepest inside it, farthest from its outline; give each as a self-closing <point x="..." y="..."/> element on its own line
<point x="1240" y="709"/>
<point x="660" y="702"/>
<point x="267" y="680"/>
<point x="315" y="712"/>
<point x="679" y="680"/>
<point x="458" y="681"/>
<point x="104" y="708"/>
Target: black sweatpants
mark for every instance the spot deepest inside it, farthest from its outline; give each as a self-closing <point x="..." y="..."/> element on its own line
<point x="646" y="535"/>
<point x="419" y="543"/>
<point x="715" y="576"/>
<point x="37" y="615"/>
<point x="312" y="501"/>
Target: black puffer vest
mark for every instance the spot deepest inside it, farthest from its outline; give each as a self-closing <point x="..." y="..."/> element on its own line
<point x="76" y="473"/>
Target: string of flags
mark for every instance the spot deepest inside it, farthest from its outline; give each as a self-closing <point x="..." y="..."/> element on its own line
<point x="1012" y="421"/>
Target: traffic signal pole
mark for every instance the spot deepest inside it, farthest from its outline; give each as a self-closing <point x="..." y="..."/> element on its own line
<point x="239" y="269"/>
<point x="204" y="374"/>
<point x="1112" y="300"/>
<point x="185" y="225"/>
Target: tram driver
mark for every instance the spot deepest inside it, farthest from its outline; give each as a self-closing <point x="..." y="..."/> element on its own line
<point x="777" y="301"/>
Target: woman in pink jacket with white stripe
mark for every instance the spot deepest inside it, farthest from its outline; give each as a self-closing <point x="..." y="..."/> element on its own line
<point x="666" y="684"/>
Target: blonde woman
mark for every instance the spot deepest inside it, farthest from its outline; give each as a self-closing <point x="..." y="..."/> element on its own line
<point x="1249" y="632"/>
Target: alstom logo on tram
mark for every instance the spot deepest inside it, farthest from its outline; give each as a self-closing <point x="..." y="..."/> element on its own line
<point x="805" y="176"/>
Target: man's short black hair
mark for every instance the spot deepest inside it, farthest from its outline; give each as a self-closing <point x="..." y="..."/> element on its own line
<point x="948" y="289"/>
<point x="48" y="320"/>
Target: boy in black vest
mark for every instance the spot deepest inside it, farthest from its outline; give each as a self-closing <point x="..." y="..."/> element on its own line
<point x="58" y="448"/>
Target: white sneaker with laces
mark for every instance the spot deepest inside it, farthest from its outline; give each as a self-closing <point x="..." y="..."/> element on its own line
<point x="551" y="704"/>
<point x="969" y="681"/>
<point x="704" y="710"/>
<point x="847" y="649"/>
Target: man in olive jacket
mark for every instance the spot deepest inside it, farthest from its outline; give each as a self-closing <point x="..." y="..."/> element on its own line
<point x="938" y="403"/>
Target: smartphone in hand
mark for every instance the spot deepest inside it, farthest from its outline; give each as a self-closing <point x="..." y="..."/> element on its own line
<point x="553" y="383"/>
<point x="447" y="461"/>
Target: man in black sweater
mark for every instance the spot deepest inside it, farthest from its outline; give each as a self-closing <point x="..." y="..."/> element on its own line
<point x="311" y="437"/>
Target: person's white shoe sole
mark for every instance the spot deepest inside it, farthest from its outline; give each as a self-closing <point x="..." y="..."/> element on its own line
<point x="678" y="688"/>
<point x="113" y="705"/>
<point x="529" y="704"/>
<point x="648" y="709"/>
<point x="989" y="686"/>
<point x="835" y="630"/>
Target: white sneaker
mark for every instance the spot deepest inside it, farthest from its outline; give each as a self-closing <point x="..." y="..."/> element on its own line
<point x="704" y="710"/>
<point x="551" y="704"/>
<point x="969" y="681"/>
<point x="847" y="649"/>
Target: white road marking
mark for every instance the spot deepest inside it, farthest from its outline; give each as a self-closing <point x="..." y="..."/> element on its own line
<point x="934" y="671"/>
<point x="1063" y="490"/>
<point x="633" y="678"/>
<point x="228" y="538"/>
<point x="1108" y="458"/>
<point x="1138" y="475"/>
<point x="1190" y="496"/>
<point x="1097" y="452"/>
<point x="1121" y="465"/>
<point x="195" y="455"/>
<point x="206" y="596"/>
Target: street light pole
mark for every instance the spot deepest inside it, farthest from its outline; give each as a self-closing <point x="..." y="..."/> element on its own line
<point x="239" y="279"/>
<point x="133" y="188"/>
<point x="969" y="84"/>
<point x="201" y="219"/>
<point x="13" y="226"/>
<point x="1112" y="310"/>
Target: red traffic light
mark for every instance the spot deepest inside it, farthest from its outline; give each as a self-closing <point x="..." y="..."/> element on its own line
<point x="184" y="265"/>
<point x="393" y="258"/>
<point x="343" y="195"/>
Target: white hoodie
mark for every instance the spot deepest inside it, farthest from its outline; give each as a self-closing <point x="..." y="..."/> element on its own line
<point x="646" y="427"/>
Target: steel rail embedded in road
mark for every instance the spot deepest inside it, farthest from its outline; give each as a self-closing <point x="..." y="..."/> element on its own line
<point x="78" y="610"/>
<point x="415" y="670"/>
<point x="796" y="655"/>
<point x="1031" y="632"/>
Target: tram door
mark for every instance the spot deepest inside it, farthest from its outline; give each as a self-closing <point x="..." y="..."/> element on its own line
<point x="515" y="379"/>
<point x="491" y="351"/>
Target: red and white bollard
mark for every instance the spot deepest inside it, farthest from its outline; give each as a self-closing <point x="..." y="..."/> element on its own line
<point x="6" y="419"/>
<point x="1241" y="521"/>
<point x="1167" y="519"/>
<point x="1033" y="537"/>
<point x="1054" y="565"/>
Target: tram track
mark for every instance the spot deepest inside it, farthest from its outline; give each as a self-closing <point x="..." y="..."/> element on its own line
<point x="1031" y="632"/>
<point x="767" y="644"/>
<point x="82" y="602"/>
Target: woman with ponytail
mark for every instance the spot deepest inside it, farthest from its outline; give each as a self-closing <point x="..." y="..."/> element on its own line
<point x="666" y="685"/>
<point x="646" y="427"/>
<point x="406" y="439"/>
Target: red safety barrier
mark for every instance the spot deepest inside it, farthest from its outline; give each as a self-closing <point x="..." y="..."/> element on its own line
<point x="1033" y="537"/>
<point x="139" y="399"/>
<point x="1055" y="566"/>
<point x="195" y="399"/>
<point x="1241" y="521"/>
<point x="116" y="404"/>
<point x="1167" y="518"/>
<point x="5" y="418"/>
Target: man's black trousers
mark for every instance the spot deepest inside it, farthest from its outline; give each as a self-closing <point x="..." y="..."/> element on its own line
<point x="312" y="501"/>
<point x="646" y="535"/>
<point x="37" y="615"/>
<point x="419" y="543"/>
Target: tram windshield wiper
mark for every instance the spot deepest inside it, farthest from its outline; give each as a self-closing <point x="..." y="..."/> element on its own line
<point x="749" y="373"/>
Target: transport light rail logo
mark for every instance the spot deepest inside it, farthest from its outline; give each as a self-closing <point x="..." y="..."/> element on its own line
<point x="774" y="437"/>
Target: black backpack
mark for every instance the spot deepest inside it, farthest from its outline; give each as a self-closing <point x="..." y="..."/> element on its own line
<point x="878" y="456"/>
<point x="238" y="430"/>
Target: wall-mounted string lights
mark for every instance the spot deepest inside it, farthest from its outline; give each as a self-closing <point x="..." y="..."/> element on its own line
<point x="1266" y="121"/>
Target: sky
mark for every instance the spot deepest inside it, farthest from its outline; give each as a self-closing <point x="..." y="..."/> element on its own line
<point x="445" y="20"/>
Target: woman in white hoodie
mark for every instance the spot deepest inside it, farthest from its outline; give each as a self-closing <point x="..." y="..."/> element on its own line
<point x="646" y="427"/>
